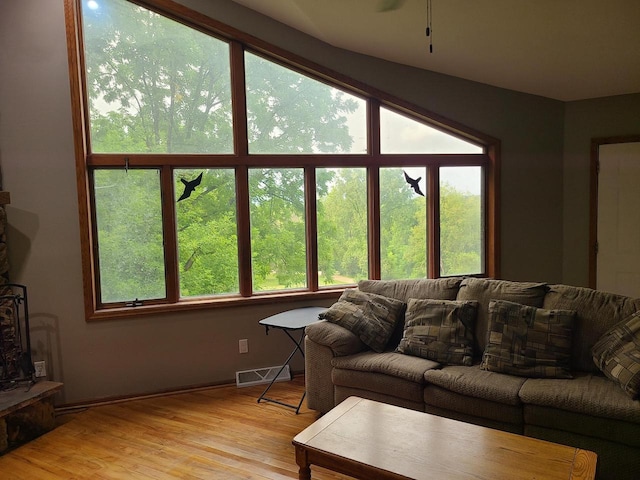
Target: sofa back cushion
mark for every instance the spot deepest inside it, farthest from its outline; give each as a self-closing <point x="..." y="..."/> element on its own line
<point x="403" y="290"/>
<point x="483" y="290"/>
<point x="597" y="312"/>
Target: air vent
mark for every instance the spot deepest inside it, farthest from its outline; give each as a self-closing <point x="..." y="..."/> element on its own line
<point x="258" y="376"/>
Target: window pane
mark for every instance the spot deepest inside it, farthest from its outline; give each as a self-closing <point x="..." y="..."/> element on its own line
<point x="342" y="225"/>
<point x="401" y="134"/>
<point x="403" y="226"/>
<point x="288" y="112"/>
<point x="461" y="220"/>
<point x="129" y="226"/>
<point x="154" y="84"/>
<point x="278" y="240"/>
<point x="207" y="231"/>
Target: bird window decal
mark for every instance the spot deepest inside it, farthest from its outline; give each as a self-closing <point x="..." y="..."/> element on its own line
<point x="189" y="186"/>
<point x="413" y="183"/>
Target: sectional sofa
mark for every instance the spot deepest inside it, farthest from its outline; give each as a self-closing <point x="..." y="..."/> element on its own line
<point x="556" y="362"/>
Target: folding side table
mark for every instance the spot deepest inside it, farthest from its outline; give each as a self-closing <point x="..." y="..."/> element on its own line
<point x="288" y="322"/>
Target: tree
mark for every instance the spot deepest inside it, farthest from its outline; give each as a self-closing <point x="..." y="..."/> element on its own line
<point x="460" y="232"/>
<point x="342" y="226"/>
<point x="403" y="227"/>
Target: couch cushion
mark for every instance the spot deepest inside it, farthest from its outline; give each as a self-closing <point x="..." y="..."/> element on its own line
<point x="586" y="393"/>
<point x="432" y="288"/>
<point x="388" y="363"/>
<point x="484" y="290"/>
<point x="440" y="401"/>
<point x="439" y="330"/>
<point x="617" y="354"/>
<point x="388" y="374"/>
<point x="597" y="312"/>
<point x="473" y="382"/>
<point x="340" y="340"/>
<point x="528" y="341"/>
<point x="371" y="317"/>
<point x="396" y="396"/>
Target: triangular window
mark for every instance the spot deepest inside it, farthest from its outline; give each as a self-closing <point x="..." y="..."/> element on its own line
<point x="401" y="134"/>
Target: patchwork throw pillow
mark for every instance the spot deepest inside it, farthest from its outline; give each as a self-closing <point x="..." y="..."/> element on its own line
<point x="439" y="330"/>
<point x="528" y="341"/>
<point x="617" y="354"/>
<point x="369" y="316"/>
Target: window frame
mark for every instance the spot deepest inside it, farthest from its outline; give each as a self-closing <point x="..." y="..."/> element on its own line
<point x="241" y="161"/>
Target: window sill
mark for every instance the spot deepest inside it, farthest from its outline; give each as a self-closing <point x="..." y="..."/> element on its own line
<point x="211" y="303"/>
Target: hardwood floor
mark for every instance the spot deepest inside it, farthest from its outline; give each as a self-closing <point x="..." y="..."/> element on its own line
<point x="218" y="433"/>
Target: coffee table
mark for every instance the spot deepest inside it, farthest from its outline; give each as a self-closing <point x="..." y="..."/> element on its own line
<point x="367" y="439"/>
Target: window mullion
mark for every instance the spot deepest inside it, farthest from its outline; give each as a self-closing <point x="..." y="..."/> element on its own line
<point x="311" y="226"/>
<point x="239" y="100"/>
<point x="373" y="190"/>
<point x="373" y="221"/>
<point x="433" y="221"/>
<point x="244" y="231"/>
<point x="170" y="234"/>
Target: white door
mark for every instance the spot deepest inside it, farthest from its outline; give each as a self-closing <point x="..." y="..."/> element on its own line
<point x="618" y="259"/>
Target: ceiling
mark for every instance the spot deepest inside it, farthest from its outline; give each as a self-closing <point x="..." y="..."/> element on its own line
<point x="561" y="49"/>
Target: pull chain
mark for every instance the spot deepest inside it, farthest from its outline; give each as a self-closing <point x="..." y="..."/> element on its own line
<point x="429" y="25"/>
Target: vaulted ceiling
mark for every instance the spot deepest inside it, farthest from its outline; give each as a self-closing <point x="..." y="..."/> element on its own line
<point x="561" y="49"/>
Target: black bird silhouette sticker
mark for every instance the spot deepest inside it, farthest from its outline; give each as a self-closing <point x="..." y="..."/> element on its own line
<point x="190" y="186"/>
<point x="413" y="183"/>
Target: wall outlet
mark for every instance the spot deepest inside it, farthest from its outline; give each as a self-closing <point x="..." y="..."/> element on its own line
<point x="40" y="368"/>
<point x="243" y="345"/>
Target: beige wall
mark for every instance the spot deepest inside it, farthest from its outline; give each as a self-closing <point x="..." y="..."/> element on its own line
<point x="126" y="357"/>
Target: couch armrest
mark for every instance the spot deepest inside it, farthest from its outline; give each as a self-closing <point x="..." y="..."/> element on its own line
<point x="324" y="341"/>
<point x="340" y="340"/>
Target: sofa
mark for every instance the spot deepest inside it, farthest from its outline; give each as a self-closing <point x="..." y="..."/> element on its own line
<point x="555" y="362"/>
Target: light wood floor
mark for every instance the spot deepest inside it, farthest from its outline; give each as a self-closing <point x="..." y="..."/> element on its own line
<point x="219" y="433"/>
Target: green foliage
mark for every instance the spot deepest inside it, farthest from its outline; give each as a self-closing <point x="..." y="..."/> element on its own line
<point x="400" y="209"/>
<point x="460" y="232"/>
<point x="342" y="226"/>
<point x="278" y="226"/>
<point x="207" y="233"/>
<point x="129" y="221"/>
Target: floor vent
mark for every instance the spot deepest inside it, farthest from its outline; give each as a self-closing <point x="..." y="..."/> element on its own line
<point x="258" y="376"/>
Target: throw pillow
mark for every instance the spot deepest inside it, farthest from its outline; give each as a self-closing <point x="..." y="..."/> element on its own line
<point x="486" y="289"/>
<point x="617" y="354"/>
<point x="369" y="316"/>
<point x="439" y="330"/>
<point x="528" y="341"/>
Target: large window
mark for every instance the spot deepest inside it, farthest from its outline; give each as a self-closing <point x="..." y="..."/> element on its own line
<point x="212" y="173"/>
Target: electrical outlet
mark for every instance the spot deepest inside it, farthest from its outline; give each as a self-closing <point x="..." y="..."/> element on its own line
<point x="40" y="368"/>
<point x="243" y="345"/>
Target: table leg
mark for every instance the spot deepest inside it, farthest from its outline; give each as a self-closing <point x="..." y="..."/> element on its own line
<point x="304" y="473"/>
<point x="298" y="348"/>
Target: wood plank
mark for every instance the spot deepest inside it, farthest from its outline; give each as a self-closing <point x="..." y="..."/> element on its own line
<point x="25" y="395"/>
<point x="213" y="433"/>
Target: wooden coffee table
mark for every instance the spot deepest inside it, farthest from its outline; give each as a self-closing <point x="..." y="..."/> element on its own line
<point x="366" y="440"/>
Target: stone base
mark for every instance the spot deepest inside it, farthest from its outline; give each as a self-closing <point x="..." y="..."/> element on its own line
<point x="27" y="413"/>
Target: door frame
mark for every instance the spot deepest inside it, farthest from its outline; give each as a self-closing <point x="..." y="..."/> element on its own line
<point x="593" y="198"/>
